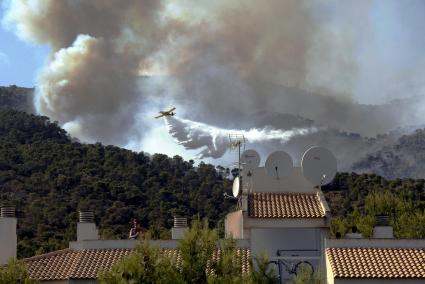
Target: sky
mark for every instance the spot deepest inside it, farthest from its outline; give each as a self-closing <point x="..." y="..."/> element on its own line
<point x="19" y="60"/>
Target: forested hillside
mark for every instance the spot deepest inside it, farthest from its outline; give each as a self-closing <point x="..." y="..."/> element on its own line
<point x="355" y="200"/>
<point x="405" y="158"/>
<point x="16" y="98"/>
<point x="48" y="178"/>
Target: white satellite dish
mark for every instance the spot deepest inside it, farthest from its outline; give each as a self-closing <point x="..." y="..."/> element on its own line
<point x="235" y="189"/>
<point x="319" y="165"/>
<point x="279" y="164"/>
<point x="250" y="159"/>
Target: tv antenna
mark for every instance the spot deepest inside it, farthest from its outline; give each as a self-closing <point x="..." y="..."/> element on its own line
<point x="237" y="142"/>
<point x="319" y="165"/>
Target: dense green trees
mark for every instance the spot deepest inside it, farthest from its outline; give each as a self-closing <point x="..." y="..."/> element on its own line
<point x="17" y="98"/>
<point x="146" y="265"/>
<point x="402" y="200"/>
<point x="348" y="191"/>
<point x="197" y="249"/>
<point x="15" y="272"/>
<point x="48" y="177"/>
<point x="305" y="275"/>
<point x="150" y="265"/>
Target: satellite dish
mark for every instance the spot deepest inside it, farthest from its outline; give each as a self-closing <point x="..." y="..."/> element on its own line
<point x="235" y="189"/>
<point x="279" y="164"/>
<point x="319" y="165"/>
<point x="250" y="159"/>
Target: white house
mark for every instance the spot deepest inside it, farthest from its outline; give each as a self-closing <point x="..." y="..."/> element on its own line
<point x="288" y="218"/>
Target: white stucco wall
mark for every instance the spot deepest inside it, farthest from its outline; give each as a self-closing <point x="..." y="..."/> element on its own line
<point x="329" y="273"/>
<point x="234" y="224"/>
<point x="375" y="243"/>
<point x="272" y="239"/>
<point x="87" y="231"/>
<point x="378" y="281"/>
<point x="294" y="244"/>
<point x="8" y="239"/>
<point x="82" y="281"/>
<point x="119" y="244"/>
<point x="260" y="181"/>
<point x="284" y="222"/>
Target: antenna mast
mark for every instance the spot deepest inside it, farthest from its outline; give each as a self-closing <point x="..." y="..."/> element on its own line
<point x="237" y="141"/>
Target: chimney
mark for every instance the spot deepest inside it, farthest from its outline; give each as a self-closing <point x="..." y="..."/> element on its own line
<point x="179" y="229"/>
<point x="382" y="229"/>
<point x="8" y="238"/>
<point x="86" y="228"/>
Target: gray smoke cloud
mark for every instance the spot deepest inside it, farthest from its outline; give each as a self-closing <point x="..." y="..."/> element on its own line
<point x="344" y="66"/>
<point x="296" y="57"/>
<point x="90" y="82"/>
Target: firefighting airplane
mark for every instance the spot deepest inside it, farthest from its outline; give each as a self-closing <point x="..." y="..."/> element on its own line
<point x="167" y="113"/>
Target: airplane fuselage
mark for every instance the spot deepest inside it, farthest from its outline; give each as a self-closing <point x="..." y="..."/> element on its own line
<point x="166" y="113"/>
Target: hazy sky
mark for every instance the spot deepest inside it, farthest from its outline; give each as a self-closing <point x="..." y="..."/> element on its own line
<point x="19" y="60"/>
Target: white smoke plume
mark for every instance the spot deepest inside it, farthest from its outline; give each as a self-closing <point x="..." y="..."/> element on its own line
<point x="325" y="61"/>
<point x="215" y="141"/>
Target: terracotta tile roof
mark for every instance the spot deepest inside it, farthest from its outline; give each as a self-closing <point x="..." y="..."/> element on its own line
<point x="242" y="254"/>
<point x="175" y="255"/>
<point x="86" y="264"/>
<point x="284" y="205"/>
<point x="376" y="262"/>
<point x="66" y="264"/>
<point x="91" y="262"/>
<point x="57" y="265"/>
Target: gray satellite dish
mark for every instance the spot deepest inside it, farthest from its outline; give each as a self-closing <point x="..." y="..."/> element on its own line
<point x="250" y="159"/>
<point x="235" y="189"/>
<point x="319" y="165"/>
<point x="279" y="164"/>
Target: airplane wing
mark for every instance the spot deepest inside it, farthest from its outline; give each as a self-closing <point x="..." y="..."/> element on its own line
<point x="166" y="113"/>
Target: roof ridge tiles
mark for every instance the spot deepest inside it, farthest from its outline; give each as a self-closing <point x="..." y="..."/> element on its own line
<point x="284" y="193"/>
<point x="49" y="254"/>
